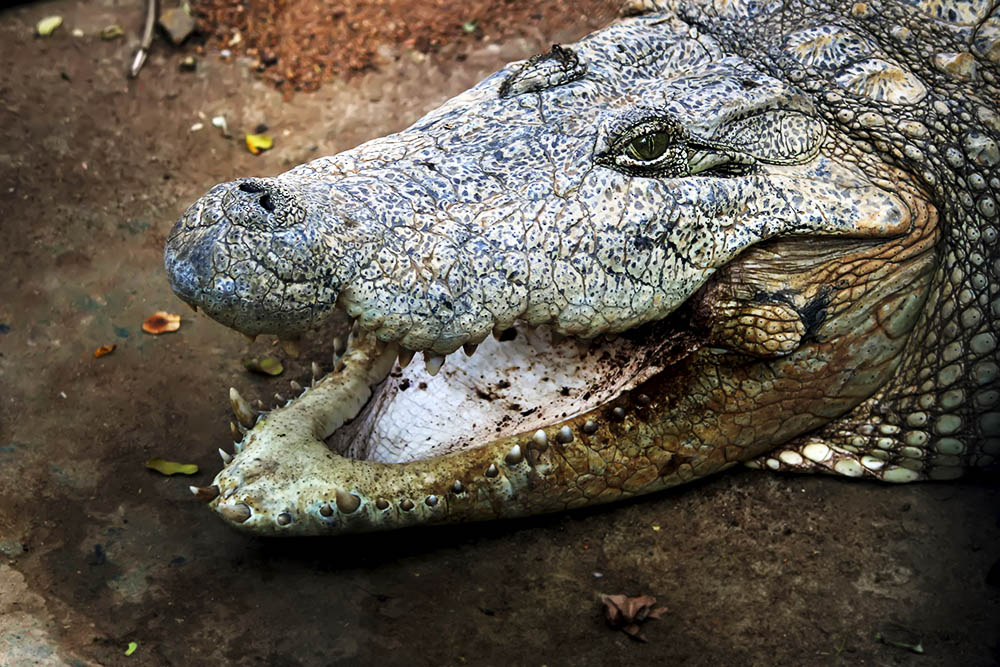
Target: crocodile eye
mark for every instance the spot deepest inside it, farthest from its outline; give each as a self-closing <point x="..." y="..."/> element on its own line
<point x="653" y="147"/>
<point x="648" y="147"/>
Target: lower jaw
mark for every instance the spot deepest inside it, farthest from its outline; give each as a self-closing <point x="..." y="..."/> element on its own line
<point x="522" y="427"/>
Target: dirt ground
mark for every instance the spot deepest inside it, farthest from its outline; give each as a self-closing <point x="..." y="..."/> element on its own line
<point x="96" y="551"/>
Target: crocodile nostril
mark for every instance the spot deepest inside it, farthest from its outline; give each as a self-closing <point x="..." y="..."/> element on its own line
<point x="250" y="187"/>
<point x="267" y="203"/>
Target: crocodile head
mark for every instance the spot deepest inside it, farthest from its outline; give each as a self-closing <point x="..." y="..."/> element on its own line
<point x="682" y="261"/>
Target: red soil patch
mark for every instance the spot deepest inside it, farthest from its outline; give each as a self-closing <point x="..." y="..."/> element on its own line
<point x="298" y="44"/>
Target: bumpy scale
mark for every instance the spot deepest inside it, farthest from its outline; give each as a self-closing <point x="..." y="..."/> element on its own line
<point x="714" y="233"/>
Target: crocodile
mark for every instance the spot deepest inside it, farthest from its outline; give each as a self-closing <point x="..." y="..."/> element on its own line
<point x="715" y="232"/>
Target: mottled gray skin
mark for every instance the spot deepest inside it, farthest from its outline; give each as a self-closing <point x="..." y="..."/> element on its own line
<point x="816" y="183"/>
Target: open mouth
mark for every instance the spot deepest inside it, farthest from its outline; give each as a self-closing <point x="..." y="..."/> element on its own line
<point x="382" y="436"/>
<point x="522" y="380"/>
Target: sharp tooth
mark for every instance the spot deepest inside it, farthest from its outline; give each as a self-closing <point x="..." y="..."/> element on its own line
<point x="338" y="346"/>
<point x="356" y="329"/>
<point x="244" y="413"/>
<point x="280" y="399"/>
<point x="347" y="502"/>
<point x="540" y="439"/>
<point x="238" y="512"/>
<point x="260" y="405"/>
<point x="405" y="357"/>
<point x="226" y="458"/>
<point x="205" y="493"/>
<point x="237" y="430"/>
<point x="433" y="362"/>
<point x="469" y="349"/>
<point x="291" y="348"/>
<point x="317" y="372"/>
<point x="296" y="387"/>
<point x="514" y="456"/>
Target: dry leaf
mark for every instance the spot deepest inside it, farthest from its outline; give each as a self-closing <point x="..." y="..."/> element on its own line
<point x="103" y="350"/>
<point x="162" y="322"/>
<point x="171" y="467"/>
<point x="627" y="613"/>
<point x="266" y="366"/>
<point x="259" y="142"/>
<point x="47" y="25"/>
<point x="112" y="32"/>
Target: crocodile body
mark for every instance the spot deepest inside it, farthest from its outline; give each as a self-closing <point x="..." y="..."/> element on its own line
<point x="711" y="234"/>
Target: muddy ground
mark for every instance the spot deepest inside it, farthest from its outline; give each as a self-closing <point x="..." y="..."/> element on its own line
<point x="96" y="551"/>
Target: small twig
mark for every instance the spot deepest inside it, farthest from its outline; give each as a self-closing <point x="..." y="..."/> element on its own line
<point x="147" y="40"/>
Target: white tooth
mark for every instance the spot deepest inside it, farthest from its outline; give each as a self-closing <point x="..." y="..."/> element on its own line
<point x="296" y="387"/>
<point x="338" y="346"/>
<point x="280" y="399"/>
<point x="291" y="348"/>
<point x="226" y="458"/>
<point x="356" y="329"/>
<point x="469" y="349"/>
<point x="260" y="405"/>
<point x="540" y="438"/>
<point x="433" y="362"/>
<point x="514" y="456"/>
<point x="317" y="372"/>
<point x="237" y="430"/>
<point x="244" y="413"/>
<point x="405" y="357"/>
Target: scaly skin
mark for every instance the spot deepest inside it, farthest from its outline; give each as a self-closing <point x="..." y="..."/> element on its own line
<point x="788" y="213"/>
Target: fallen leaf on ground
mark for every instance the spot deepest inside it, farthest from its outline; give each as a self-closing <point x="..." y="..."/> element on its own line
<point x="161" y="322"/>
<point x="111" y="32"/>
<point x="915" y="647"/>
<point x="171" y="467"/>
<point x="627" y="613"/>
<point x="47" y="25"/>
<point x="103" y="350"/>
<point x="132" y="646"/>
<point x="259" y="142"/>
<point x="265" y="366"/>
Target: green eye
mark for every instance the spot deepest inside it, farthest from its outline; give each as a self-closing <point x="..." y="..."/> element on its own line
<point x="648" y="147"/>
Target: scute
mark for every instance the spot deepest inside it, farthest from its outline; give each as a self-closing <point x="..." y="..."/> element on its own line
<point x="882" y="81"/>
<point x="826" y="47"/>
